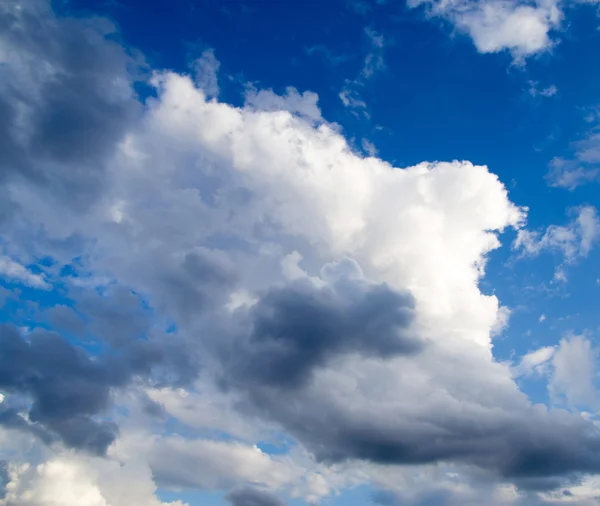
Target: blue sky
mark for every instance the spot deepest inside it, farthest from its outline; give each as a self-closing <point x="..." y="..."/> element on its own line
<point x="264" y="253"/>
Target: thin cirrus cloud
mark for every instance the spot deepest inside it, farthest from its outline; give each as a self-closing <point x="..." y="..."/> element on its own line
<point x="334" y="298"/>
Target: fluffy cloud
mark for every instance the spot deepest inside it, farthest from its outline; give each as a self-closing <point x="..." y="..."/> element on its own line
<point x="71" y="480"/>
<point x="65" y="100"/>
<point x="333" y="297"/>
<point x="521" y="27"/>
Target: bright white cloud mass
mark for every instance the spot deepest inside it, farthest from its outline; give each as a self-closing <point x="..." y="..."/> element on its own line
<point x="233" y="275"/>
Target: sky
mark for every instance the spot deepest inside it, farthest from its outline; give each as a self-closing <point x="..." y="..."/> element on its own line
<point x="299" y="253"/>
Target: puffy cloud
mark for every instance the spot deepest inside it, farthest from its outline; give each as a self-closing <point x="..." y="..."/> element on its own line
<point x="303" y="104"/>
<point x="65" y="98"/>
<point x="71" y="480"/>
<point x="301" y="327"/>
<point x="521" y="27"/>
<point x="333" y="296"/>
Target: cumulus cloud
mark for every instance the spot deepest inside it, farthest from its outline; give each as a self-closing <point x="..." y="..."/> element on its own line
<point x="333" y="297"/>
<point x="65" y="99"/>
<point x="521" y="27"/>
<point x="71" y="480"/>
<point x="303" y="104"/>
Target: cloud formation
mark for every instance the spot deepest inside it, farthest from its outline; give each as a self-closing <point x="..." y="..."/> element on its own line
<point x="336" y="298"/>
<point x="521" y="27"/>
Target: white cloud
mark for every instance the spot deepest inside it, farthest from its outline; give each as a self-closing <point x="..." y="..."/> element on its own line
<point x="77" y="480"/>
<point x="302" y="104"/>
<point x="18" y="272"/>
<point x="521" y="27"/>
<point x="575" y="372"/>
<point x="368" y="147"/>
<point x="216" y="465"/>
<point x="569" y="174"/>
<point x="215" y="200"/>
<point x="573" y="241"/>
<point x="352" y="99"/>
<point x="534" y="362"/>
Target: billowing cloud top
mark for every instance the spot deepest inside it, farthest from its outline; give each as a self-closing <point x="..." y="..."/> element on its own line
<point x="248" y="252"/>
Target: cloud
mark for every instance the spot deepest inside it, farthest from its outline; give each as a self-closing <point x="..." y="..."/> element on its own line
<point x="74" y="480"/>
<point x="252" y="497"/>
<point x="206" y="69"/>
<point x="301" y="327"/>
<point x="352" y="99"/>
<point x="303" y="104"/>
<point x="368" y="147"/>
<point x="66" y="100"/>
<point x="569" y="174"/>
<point x="582" y="168"/>
<point x="69" y="388"/>
<point x="535" y="362"/>
<point x="574" y="372"/>
<point x="14" y="271"/>
<point x="521" y="27"/>
<point x="374" y="60"/>
<point x="332" y="296"/>
<point x="547" y="92"/>
<point x="215" y="465"/>
<point x="573" y="241"/>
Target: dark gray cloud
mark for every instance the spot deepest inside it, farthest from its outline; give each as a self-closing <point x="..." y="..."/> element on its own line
<point x="249" y="496"/>
<point x="298" y="328"/>
<point x="536" y="451"/>
<point x="66" y="386"/>
<point x="65" y="100"/>
<point x="69" y="388"/>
